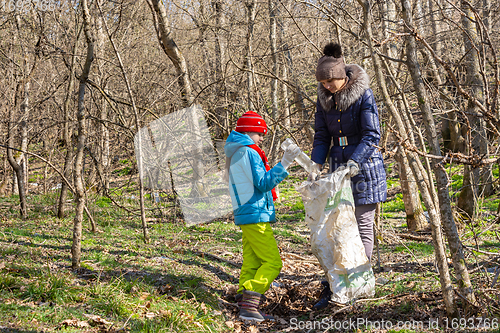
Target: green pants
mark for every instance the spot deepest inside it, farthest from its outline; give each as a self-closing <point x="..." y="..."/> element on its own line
<point x="261" y="258"/>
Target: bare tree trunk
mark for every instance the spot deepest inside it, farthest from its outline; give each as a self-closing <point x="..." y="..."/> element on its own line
<point x="251" y="9"/>
<point x="274" y="58"/>
<point x="67" y="133"/>
<point x="175" y="55"/>
<point x="450" y="129"/>
<point x="444" y="276"/>
<point x="435" y="26"/>
<point x="284" y="68"/>
<point x="415" y="216"/>
<point x="172" y="51"/>
<point x="220" y="59"/>
<point x="477" y="135"/>
<point x="450" y="228"/>
<point x="452" y="133"/>
<point x="486" y="188"/>
<point x="412" y="128"/>
<point x="103" y="111"/>
<point x="487" y="14"/>
<point x="434" y="72"/>
<point x="76" y="248"/>
<point x="274" y="80"/>
<point x="220" y="49"/>
<point x="298" y="94"/>
<point x="18" y="169"/>
<point x="20" y="164"/>
<point x="5" y="181"/>
<point x="137" y="125"/>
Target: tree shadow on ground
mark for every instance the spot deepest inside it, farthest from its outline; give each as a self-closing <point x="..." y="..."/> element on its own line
<point x="15" y="330"/>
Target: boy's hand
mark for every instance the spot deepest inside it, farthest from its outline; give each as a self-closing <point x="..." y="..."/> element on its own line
<point x="289" y="155"/>
<point x="353" y="168"/>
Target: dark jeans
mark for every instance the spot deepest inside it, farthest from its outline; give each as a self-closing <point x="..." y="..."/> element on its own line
<point x="365" y="216"/>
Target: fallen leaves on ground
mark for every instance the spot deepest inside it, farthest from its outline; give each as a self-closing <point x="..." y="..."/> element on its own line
<point x="97" y="320"/>
<point x="74" y="323"/>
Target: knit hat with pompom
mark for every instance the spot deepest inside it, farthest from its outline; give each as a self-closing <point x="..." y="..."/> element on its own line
<point x="251" y="122"/>
<point x="331" y="65"/>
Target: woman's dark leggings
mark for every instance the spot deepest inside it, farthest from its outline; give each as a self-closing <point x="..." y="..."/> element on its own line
<point x="365" y="216"/>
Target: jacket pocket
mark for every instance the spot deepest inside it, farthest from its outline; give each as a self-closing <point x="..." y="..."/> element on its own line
<point x="358" y="183"/>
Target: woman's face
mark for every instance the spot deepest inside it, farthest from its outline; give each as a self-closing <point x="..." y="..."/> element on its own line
<point x="256" y="137"/>
<point x="333" y="85"/>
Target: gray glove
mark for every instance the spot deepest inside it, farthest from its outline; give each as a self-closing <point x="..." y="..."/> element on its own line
<point x="315" y="172"/>
<point x="353" y="168"/>
<point x="289" y="155"/>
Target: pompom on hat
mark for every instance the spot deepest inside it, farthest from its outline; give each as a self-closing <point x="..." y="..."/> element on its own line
<point x="331" y="65"/>
<point x="251" y="122"/>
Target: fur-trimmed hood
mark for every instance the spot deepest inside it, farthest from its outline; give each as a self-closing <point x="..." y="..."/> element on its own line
<point x="358" y="83"/>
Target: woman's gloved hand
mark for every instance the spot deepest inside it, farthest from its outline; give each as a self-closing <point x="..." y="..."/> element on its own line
<point x="315" y="172"/>
<point x="353" y="168"/>
<point x="289" y="155"/>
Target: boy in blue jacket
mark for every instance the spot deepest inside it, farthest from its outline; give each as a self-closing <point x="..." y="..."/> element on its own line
<point x="251" y="185"/>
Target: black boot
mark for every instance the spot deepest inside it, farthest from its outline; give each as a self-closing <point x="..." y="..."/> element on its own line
<point x="324" y="297"/>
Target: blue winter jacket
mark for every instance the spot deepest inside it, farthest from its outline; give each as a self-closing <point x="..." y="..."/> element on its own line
<point x="249" y="184"/>
<point x="352" y="114"/>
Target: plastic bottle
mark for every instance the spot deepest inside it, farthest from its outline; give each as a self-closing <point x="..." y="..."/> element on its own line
<point x="302" y="158"/>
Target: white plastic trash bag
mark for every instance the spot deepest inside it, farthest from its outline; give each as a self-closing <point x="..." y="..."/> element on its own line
<point x="335" y="238"/>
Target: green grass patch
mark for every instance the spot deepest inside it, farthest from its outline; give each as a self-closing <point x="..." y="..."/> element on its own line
<point x="103" y="202"/>
<point x="395" y="205"/>
<point x="457" y="181"/>
<point x="290" y="235"/>
<point x="491" y="245"/>
<point x="392" y="182"/>
<point x="298" y="205"/>
<point x="8" y="282"/>
<point x="53" y="288"/>
<point x="419" y="249"/>
<point x="490" y="204"/>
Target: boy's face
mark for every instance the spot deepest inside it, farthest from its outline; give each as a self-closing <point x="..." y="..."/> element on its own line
<point x="256" y="137"/>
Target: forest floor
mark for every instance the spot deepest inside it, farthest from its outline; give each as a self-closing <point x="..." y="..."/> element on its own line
<point x="184" y="279"/>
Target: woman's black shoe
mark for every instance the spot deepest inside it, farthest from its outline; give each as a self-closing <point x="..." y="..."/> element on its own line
<point x="324" y="297"/>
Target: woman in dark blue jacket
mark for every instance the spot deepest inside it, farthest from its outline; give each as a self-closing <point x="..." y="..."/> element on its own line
<point x="347" y="130"/>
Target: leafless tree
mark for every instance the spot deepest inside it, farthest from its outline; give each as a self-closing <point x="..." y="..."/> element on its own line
<point x="76" y="250"/>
